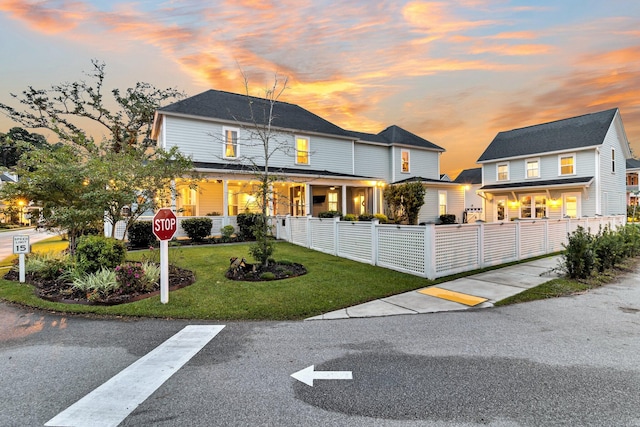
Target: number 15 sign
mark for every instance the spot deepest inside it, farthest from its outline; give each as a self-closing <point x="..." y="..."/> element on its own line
<point x="21" y="244"/>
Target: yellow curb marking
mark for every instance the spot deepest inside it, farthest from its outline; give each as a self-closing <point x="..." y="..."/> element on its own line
<point x="465" y="299"/>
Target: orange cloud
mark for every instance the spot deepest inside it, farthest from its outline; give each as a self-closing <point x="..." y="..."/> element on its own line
<point x="513" y="50"/>
<point x="434" y="18"/>
<point x="42" y="16"/>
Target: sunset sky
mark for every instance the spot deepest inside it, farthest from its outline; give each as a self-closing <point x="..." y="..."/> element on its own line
<point x="455" y="72"/>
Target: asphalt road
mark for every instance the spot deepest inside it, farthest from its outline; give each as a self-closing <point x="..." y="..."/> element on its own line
<point x="6" y="239"/>
<point x="567" y="362"/>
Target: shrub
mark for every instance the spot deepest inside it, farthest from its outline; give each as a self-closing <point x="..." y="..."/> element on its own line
<point x="608" y="247"/>
<point x="578" y="259"/>
<point x="140" y="234"/>
<point x="197" y="228"/>
<point x="382" y="218"/>
<point x="448" y="219"/>
<point x="365" y="217"/>
<point x="631" y="238"/>
<point x="48" y="265"/>
<point x="330" y="214"/>
<point x="96" y="252"/>
<point x="214" y="214"/>
<point x="267" y="275"/>
<point x="349" y="217"/>
<point x="131" y="278"/>
<point x="227" y="231"/>
<point x="246" y="225"/>
<point x="151" y="272"/>
<point x="263" y="248"/>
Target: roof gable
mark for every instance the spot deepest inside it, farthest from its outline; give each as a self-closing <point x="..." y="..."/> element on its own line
<point x="469" y="176"/>
<point x="574" y="133"/>
<point x="234" y="107"/>
<point x="396" y="135"/>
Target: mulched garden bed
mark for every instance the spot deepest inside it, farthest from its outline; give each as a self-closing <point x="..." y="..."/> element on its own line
<point x="59" y="291"/>
<point x="256" y="272"/>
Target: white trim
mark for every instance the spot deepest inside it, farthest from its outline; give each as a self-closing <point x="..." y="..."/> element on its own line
<point x="546" y="153"/>
<point x="578" y="204"/>
<point x="446" y="202"/>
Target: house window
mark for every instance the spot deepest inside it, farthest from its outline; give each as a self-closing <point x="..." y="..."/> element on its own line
<point x="302" y="150"/>
<point x="503" y="172"/>
<point x="332" y="201"/>
<point x="404" y="159"/>
<point x="613" y="160"/>
<point x="533" y="207"/>
<point x="567" y="164"/>
<point x="632" y="178"/>
<point x="570" y="205"/>
<point x="533" y="168"/>
<point x="442" y="202"/>
<point x="230" y="143"/>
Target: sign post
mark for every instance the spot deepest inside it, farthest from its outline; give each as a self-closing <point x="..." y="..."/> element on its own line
<point x="165" y="225"/>
<point x="21" y="247"/>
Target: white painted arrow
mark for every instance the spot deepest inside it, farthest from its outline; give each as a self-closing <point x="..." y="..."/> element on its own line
<point x="307" y="375"/>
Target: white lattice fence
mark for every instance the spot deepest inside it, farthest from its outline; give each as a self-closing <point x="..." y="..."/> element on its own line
<point x="354" y="241"/>
<point x="533" y="240"/>
<point x="456" y="248"/>
<point x="557" y="235"/>
<point x="298" y="227"/>
<point x="323" y="235"/>
<point x="500" y="243"/>
<point x="402" y="248"/>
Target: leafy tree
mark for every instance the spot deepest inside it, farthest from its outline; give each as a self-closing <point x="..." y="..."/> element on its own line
<point x="405" y="201"/>
<point x="17" y="141"/>
<point x="84" y="181"/>
<point x="58" y="109"/>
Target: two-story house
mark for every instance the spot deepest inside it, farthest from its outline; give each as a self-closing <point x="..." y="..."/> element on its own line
<point x="317" y="165"/>
<point x="633" y="189"/>
<point x="567" y="168"/>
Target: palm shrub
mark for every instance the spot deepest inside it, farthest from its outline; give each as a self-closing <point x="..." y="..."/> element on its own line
<point x="140" y="234"/>
<point x="197" y="228"/>
<point x="96" y="252"/>
<point x="578" y="258"/>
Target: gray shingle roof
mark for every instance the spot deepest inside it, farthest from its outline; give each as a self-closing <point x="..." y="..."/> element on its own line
<point x="633" y="164"/>
<point x="419" y="179"/>
<point x="533" y="184"/>
<point x="573" y="133"/>
<point x="396" y="135"/>
<point x="234" y="107"/>
<point x="469" y="176"/>
<point x="238" y="167"/>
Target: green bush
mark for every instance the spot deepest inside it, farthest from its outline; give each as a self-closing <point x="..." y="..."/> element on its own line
<point x="608" y="247"/>
<point x="349" y="217"/>
<point x="631" y="238"/>
<point x="365" y="217"/>
<point x="268" y="276"/>
<point x="96" y="252"/>
<point x="48" y="265"/>
<point x="227" y="231"/>
<point x="382" y="218"/>
<point x="140" y="234"/>
<point x="330" y="214"/>
<point x="578" y="259"/>
<point x="131" y="278"/>
<point x="246" y="225"/>
<point x="197" y="228"/>
<point x="97" y="285"/>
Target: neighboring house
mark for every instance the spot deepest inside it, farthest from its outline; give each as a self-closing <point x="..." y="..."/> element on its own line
<point x="633" y="173"/>
<point x="319" y="166"/>
<point x="471" y="179"/>
<point x="568" y="168"/>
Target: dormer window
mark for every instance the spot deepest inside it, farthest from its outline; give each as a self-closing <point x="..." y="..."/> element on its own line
<point x="404" y="161"/>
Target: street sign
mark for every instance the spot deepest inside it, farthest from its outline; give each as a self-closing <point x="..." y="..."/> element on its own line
<point x="21" y="244"/>
<point x="165" y="224"/>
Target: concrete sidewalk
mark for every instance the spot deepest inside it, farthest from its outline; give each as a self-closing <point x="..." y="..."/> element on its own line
<point x="477" y="291"/>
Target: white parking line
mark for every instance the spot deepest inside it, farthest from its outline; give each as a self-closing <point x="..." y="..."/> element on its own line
<point x="114" y="400"/>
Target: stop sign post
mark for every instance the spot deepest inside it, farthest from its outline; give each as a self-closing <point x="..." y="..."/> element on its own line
<point x="165" y="225"/>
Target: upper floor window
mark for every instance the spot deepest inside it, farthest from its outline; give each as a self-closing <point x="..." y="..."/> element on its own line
<point x="632" y="178"/>
<point x="404" y="159"/>
<point x="302" y="150"/>
<point x="567" y="164"/>
<point x="230" y="143"/>
<point x="533" y="168"/>
<point x="442" y="202"/>
<point x="503" y="171"/>
<point x="613" y="160"/>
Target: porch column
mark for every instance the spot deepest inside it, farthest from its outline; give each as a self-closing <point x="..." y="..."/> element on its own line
<point x="307" y="200"/>
<point x="375" y="199"/>
<point x="225" y="202"/>
<point x="344" y="199"/>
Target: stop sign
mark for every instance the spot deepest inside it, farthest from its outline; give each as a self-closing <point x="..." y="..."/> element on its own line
<point x="165" y="224"/>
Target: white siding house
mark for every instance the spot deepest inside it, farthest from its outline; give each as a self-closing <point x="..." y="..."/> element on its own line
<point x="568" y="168"/>
<point x="319" y="166"/>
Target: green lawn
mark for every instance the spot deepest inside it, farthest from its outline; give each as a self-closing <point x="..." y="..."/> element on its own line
<point x="331" y="283"/>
